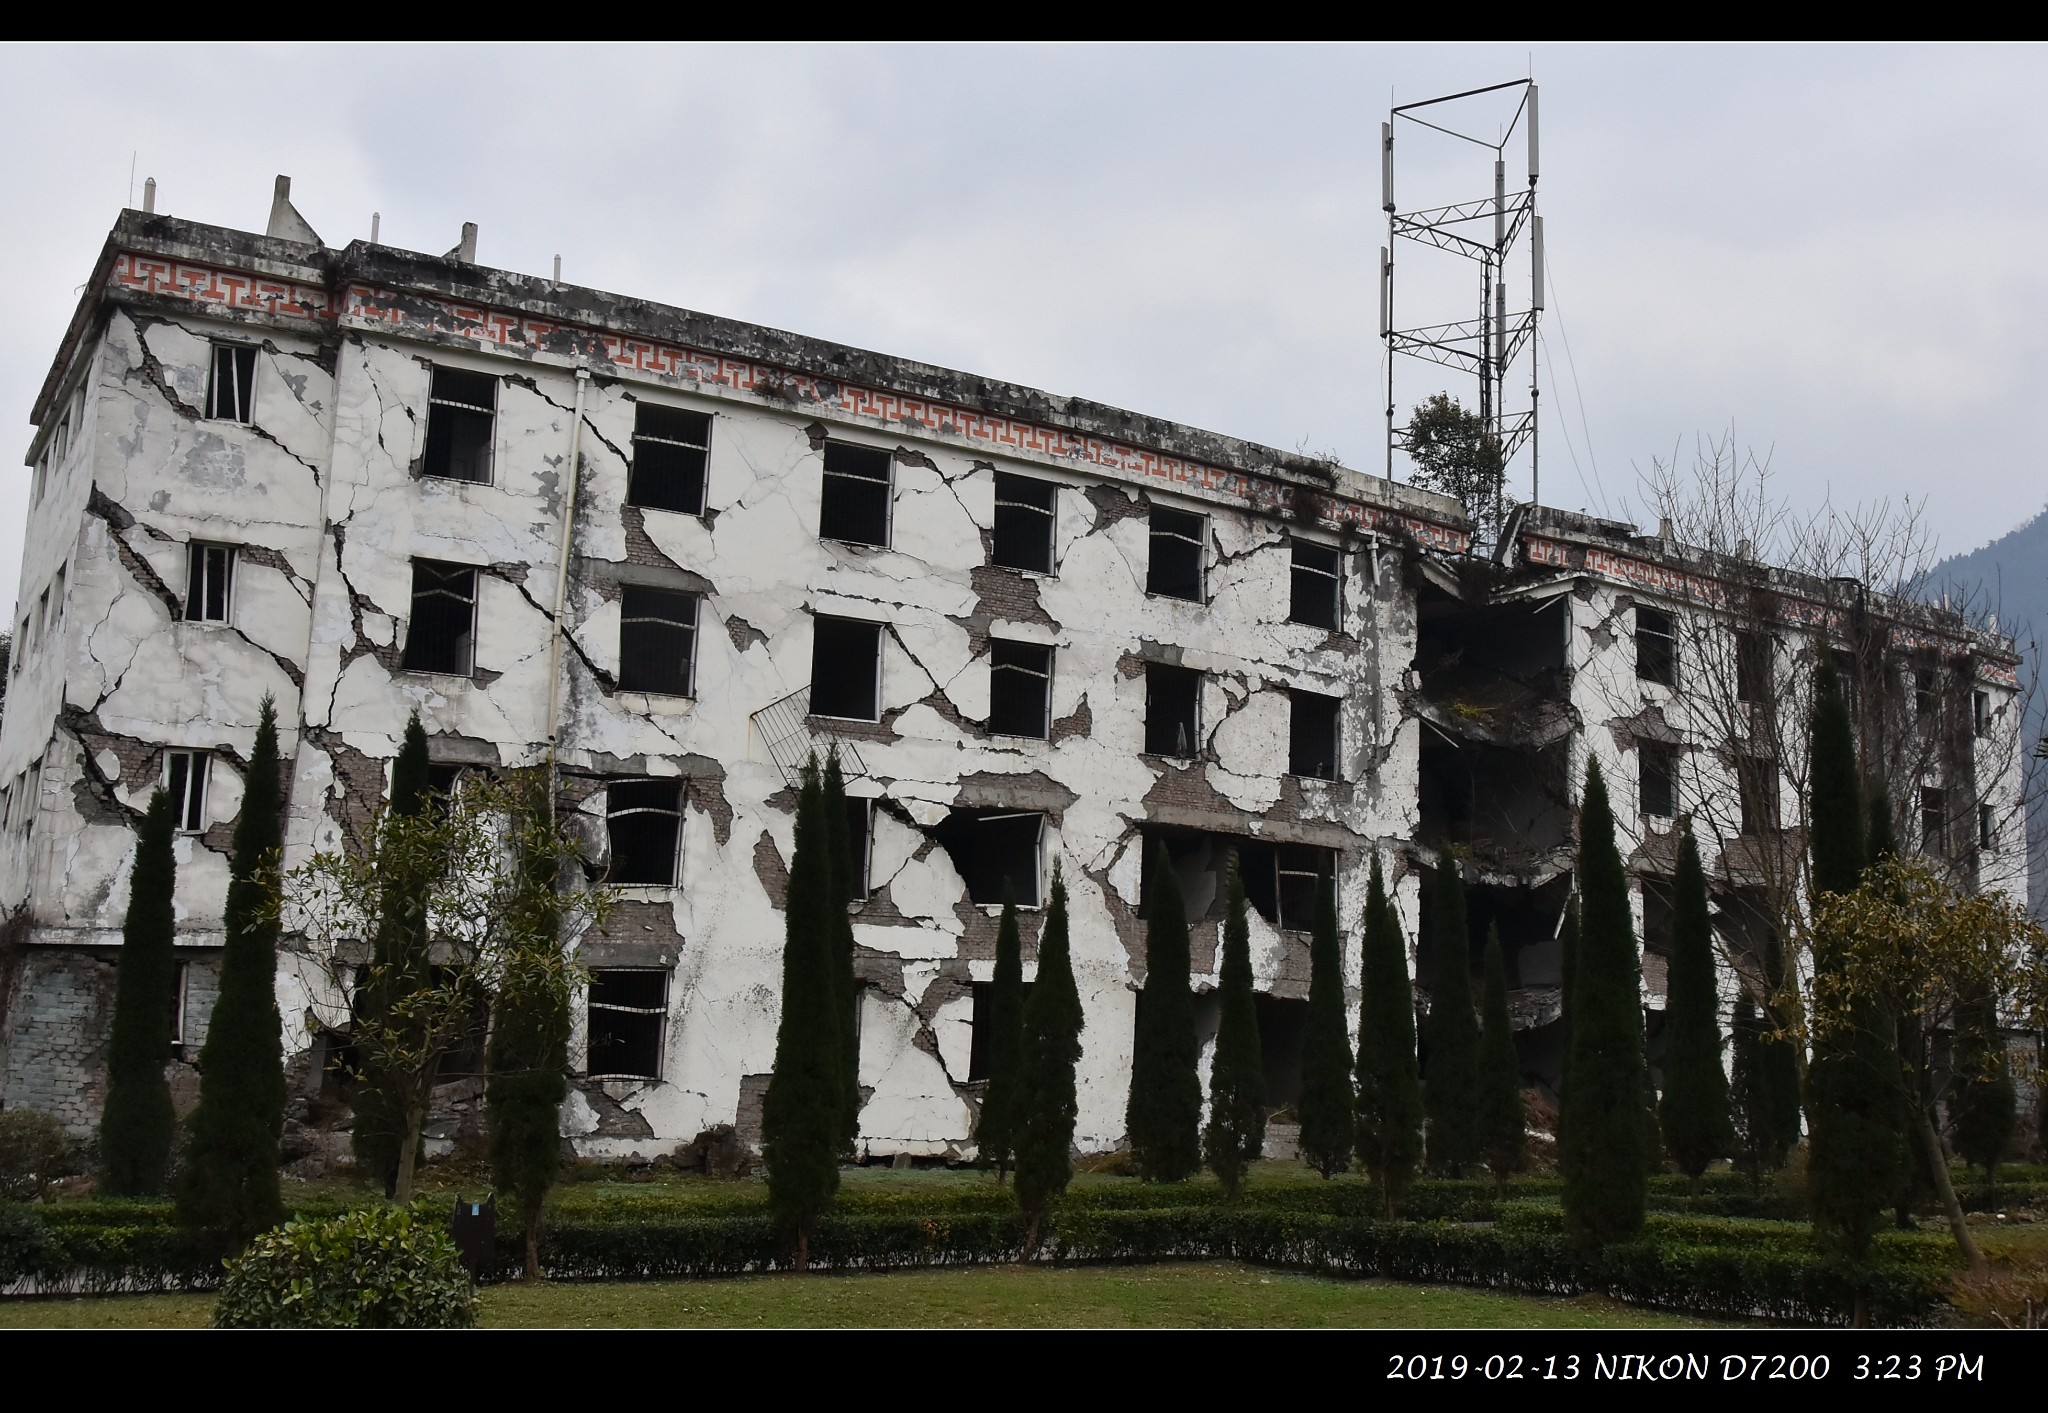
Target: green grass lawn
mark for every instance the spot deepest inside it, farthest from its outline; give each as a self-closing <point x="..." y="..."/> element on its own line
<point x="1204" y="1294"/>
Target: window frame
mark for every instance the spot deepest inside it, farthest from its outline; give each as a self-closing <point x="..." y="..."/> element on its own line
<point x="1194" y="750"/>
<point x="1648" y="635"/>
<point x="1980" y="712"/>
<point x="1043" y="674"/>
<point x="181" y="982"/>
<point x="1334" y="574"/>
<point x="637" y="486"/>
<point x="1334" y="705"/>
<point x="1934" y="842"/>
<point x="1987" y="827"/>
<point x="874" y="626"/>
<point x="828" y="476"/>
<point x="1011" y="482"/>
<point x="614" y="811"/>
<point x="628" y="658"/>
<point x="1666" y="753"/>
<point x="1759" y="796"/>
<point x="241" y="361"/>
<point x="456" y="408"/>
<point x="1926" y="683"/>
<point x="659" y="1014"/>
<point x="442" y="566"/>
<point x="1755" y="681"/>
<point x="198" y="574"/>
<point x="861" y="844"/>
<point x="189" y="795"/>
<point x="1198" y="537"/>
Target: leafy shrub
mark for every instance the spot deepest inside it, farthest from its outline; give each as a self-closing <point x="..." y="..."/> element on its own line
<point x="35" y="1151"/>
<point x="24" y="1242"/>
<point x="375" y="1268"/>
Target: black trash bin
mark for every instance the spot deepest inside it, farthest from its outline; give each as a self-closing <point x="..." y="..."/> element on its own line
<point x="476" y="1234"/>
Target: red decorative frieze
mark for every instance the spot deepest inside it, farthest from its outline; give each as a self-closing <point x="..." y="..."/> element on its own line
<point x="226" y="289"/>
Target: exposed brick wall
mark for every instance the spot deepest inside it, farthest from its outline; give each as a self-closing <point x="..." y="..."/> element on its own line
<point x="55" y="1035"/>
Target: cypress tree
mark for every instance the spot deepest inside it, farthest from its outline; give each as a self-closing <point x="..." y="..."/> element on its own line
<point x="1984" y="1109"/>
<point x="995" y="1130"/>
<point x="528" y="1054"/>
<point x="1777" y="1061"/>
<point x="1326" y="1103"/>
<point x="1236" y="1134"/>
<point x="1503" y="1125"/>
<point x="1881" y="842"/>
<point x="1450" y="1090"/>
<point x="1601" y="1137"/>
<point x="1164" y="1114"/>
<point x="803" y="1113"/>
<point x="228" y="1191"/>
<point x="1696" y="1125"/>
<point x="1046" y="1101"/>
<point x="1852" y="1085"/>
<point x="838" y="830"/>
<point x="1568" y="946"/>
<point x="1749" y="1099"/>
<point x="138" y="1122"/>
<point x="398" y="956"/>
<point x="1389" y="1078"/>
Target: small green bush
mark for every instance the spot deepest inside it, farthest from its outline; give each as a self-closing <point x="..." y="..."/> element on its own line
<point x="34" y="1152"/>
<point x="375" y="1268"/>
<point x="24" y="1242"/>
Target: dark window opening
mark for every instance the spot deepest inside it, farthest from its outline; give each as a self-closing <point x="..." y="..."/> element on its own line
<point x="645" y="821"/>
<point x="1660" y="917"/>
<point x="1846" y="672"/>
<point x="1314" y="597"/>
<point x="1283" y="1024"/>
<point x="994" y="848"/>
<point x="1752" y="667"/>
<point x="1312" y="735"/>
<point x="1933" y="821"/>
<point x="443" y="777"/>
<point x="1175" y="568"/>
<point x="657" y="640"/>
<point x="1173" y="706"/>
<point x="670" y="446"/>
<point x="461" y="411"/>
<point x="977" y="1048"/>
<point x="846" y="668"/>
<point x="628" y="1011"/>
<point x="185" y="781"/>
<point x="1757" y="782"/>
<point x="855" y="506"/>
<point x="1980" y="713"/>
<point x="209" y="582"/>
<point x="1657" y="787"/>
<point x="1199" y="864"/>
<point x="180" y="985"/>
<point x="1019" y="688"/>
<point x="1024" y="523"/>
<point x="1923" y="691"/>
<point x="441" y="636"/>
<point x="1280" y="881"/>
<point x="230" y="382"/>
<point x="1656" y="647"/>
<point x="1987" y="828"/>
<point x="860" y="825"/>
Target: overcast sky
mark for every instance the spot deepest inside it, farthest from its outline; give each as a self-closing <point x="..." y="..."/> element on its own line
<point x="1832" y="249"/>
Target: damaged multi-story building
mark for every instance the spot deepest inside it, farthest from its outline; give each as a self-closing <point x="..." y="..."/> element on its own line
<point x="678" y="553"/>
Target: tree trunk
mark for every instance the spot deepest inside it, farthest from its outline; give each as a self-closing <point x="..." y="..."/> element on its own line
<point x="415" y="1120"/>
<point x="1937" y="1168"/>
<point x="1031" y="1236"/>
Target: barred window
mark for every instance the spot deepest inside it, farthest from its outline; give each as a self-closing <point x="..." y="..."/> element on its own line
<point x="185" y="775"/>
<point x="209" y="582"/>
<point x="1023" y="537"/>
<point x="645" y="821"/>
<point x="1313" y="597"/>
<point x="462" y="411"/>
<point x="230" y="382"/>
<point x="441" y="636"/>
<point x="657" y="640"/>
<point x="627" y="1014"/>
<point x="1179" y="541"/>
<point x="855" y="503"/>
<point x="670" y="448"/>
<point x="1019" y="688"/>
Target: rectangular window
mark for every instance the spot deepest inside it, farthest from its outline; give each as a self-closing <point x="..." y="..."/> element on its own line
<point x="231" y="382"/>
<point x="462" y="410"/>
<point x="57" y="595"/>
<point x="860" y="827"/>
<point x="42" y="623"/>
<point x="628" y="1011"/>
<point x="670" y="447"/>
<point x="41" y="481"/>
<point x="1313" y="735"/>
<point x="1019" y="688"/>
<point x="1923" y="691"/>
<point x="1178" y="542"/>
<point x="855" y="506"/>
<point x="185" y="782"/>
<point x="61" y="442"/>
<point x="1023" y="536"/>
<point x="1656" y="647"/>
<point x="1752" y="667"/>
<point x="209" y="582"/>
<point x="846" y="668"/>
<point x="994" y="850"/>
<point x="1173" y="710"/>
<point x="1295" y="871"/>
<point x="644" y="819"/>
<point x="441" y="636"/>
<point x="1933" y="821"/>
<point x="1987" y="828"/>
<point x="1757" y="781"/>
<point x="1313" y="596"/>
<point x="1657" y="786"/>
<point x="1980" y="712"/>
<point x="657" y="640"/>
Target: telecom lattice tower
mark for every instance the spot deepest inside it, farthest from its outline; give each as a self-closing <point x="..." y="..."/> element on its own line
<point x="1486" y="232"/>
